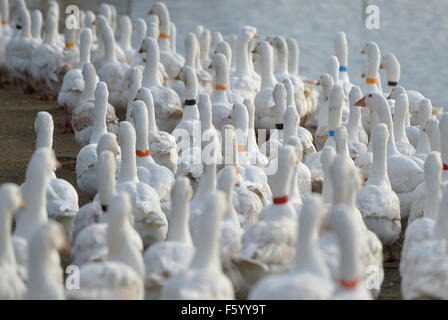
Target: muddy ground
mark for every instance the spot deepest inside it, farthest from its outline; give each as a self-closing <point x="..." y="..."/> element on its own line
<point x="17" y="141"/>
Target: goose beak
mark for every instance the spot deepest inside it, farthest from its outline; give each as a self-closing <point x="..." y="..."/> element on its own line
<point x="22" y="205"/>
<point x="141" y="50"/>
<point x="381" y="66"/>
<point x="361" y="102"/>
<point x="58" y="164"/>
<point x="65" y="249"/>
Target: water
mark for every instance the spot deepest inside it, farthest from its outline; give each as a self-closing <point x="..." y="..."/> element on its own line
<point x="414" y="30"/>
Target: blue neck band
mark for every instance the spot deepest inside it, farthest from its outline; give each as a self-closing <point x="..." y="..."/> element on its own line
<point x="331" y="133"/>
<point x="343" y="69"/>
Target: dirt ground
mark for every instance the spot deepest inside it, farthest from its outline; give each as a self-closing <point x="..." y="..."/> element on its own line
<point x="17" y="142"/>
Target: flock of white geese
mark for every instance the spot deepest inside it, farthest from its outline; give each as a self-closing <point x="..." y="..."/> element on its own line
<point x="162" y="226"/>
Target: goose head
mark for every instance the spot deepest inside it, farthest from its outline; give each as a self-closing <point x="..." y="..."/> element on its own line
<point x="279" y="94"/>
<point x="10" y="198"/>
<point x="188" y="76"/>
<point x="432" y="129"/>
<point x="141" y="30"/>
<point x="248" y="34"/>
<point x="391" y="65"/>
<point x="327" y="82"/>
<point x="372" y="50"/>
<point x="160" y="9"/>
<point x="335" y="104"/>
<point x="36" y="24"/>
<point x="105" y="11"/>
<point x="44" y="127"/>
<point x="108" y="142"/>
<point x="333" y="68"/>
<point x="341" y="140"/>
<point x="424" y="112"/>
<point x="224" y="48"/>
<point x="372" y="100"/>
<point x="395" y="92"/>
<point x="280" y="182"/>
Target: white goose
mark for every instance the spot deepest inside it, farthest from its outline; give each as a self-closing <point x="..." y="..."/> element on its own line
<point x="261" y="240"/>
<point x="46" y="277"/>
<point x="349" y="282"/>
<point x="304" y="134"/>
<point x="249" y="196"/>
<point x="46" y="59"/>
<point x="204" y="278"/>
<point x="87" y="156"/>
<point x="34" y="215"/>
<point x="321" y="135"/>
<point x="18" y="51"/>
<point x="264" y="103"/>
<point x="162" y="144"/>
<point x="121" y="275"/>
<point x="405" y="172"/>
<point x="164" y="260"/>
<point x="11" y="284"/>
<point x="335" y="113"/>
<point x="308" y="278"/>
<point x="172" y="62"/>
<point x="341" y="52"/>
<point x="356" y="133"/>
<point x="242" y="81"/>
<point x="73" y="83"/>
<point x="423" y="147"/>
<point x="150" y="221"/>
<point x="156" y="176"/>
<point x="62" y="198"/>
<point x="113" y="72"/>
<point x="83" y="116"/>
<point x="92" y="211"/>
<point x="90" y="243"/>
<point x="166" y="101"/>
<point x="378" y="204"/>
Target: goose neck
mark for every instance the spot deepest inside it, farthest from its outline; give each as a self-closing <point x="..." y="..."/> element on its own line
<point x="164" y="36"/>
<point x="99" y="123"/>
<point x="354" y="121"/>
<point x="109" y="46"/>
<point x="267" y="77"/>
<point x="84" y="54"/>
<point x="150" y="73"/>
<point x="379" y="165"/>
<point x="88" y="93"/>
<point x="207" y="250"/>
<point x="385" y="117"/>
<point x="128" y="171"/>
<point x="282" y="59"/>
<point x="399" y="124"/>
<point x="206" y="184"/>
<point x="45" y="137"/>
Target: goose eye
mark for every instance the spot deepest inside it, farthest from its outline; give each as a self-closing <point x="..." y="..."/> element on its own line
<point x="370" y="95"/>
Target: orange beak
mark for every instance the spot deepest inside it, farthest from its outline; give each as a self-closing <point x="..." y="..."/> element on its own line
<point x="65" y="249"/>
<point x="361" y="102"/>
<point x="22" y="205"/>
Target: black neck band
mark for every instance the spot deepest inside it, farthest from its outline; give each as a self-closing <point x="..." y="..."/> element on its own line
<point x="18" y="27"/>
<point x="279" y="126"/>
<point x="104" y="207"/>
<point x="392" y="83"/>
<point x="190" y="102"/>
